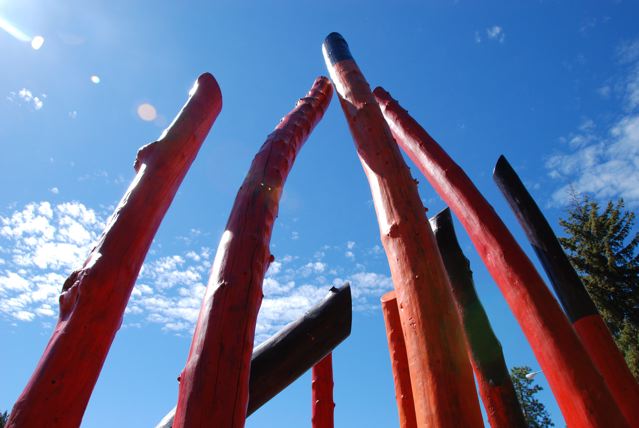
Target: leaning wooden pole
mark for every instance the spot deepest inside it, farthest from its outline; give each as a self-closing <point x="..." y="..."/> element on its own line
<point x="580" y="390"/>
<point x="441" y="375"/>
<point x="572" y="294"/>
<point x="94" y="297"/>
<point x="399" y="361"/>
<point x="215" y="381"/>
<point x="495" y="386"/>
<point x="322" y="393"/>
<point x="292" y="351"/>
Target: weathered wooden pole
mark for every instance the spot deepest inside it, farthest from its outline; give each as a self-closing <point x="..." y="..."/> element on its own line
<point x="215" y="381"/>
<point x="291" y="352"/>
<point x="441" y="375"/>
<point x="572" y="294"/>
<point x="94" y="297"/>
<point x="322" y="393"/>
<point x="399" y="361"/>
<point x="495" y="386"/>
<point x="580" y="390"/>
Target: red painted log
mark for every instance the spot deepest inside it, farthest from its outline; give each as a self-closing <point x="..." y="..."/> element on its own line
<point x="322" y="387"/>
<point x="441" y="375"/>
<point x="495" y="386"/>
<point x="94" y="297"/>
<point x="214" y="383"/>
<point x="295" y="349"/>
<point x="581" y="392"/>
<point x="572" y="294"/>
<point x="399" y="361"/>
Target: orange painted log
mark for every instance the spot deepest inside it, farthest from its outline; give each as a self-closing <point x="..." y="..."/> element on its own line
<point x="214" y="383"/>
<point x="572" y="294"/>
<point x="322" y="387"/>
<point x="94" y="297"/>
<point x="581" y="392"/>
<point x="441" y="375"/>
<point x="399" y="361"/>
<point x="495" y="386"/>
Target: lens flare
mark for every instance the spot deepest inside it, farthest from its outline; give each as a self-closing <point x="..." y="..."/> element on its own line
<point x="37" y="42"/>
<point x="147" y="112"/>
<point x="95" y="79"/>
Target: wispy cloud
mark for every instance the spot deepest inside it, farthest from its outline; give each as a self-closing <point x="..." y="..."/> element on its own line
<point x="25" y="96"/>
<point x="495" y="32"/>
<point x="604" y="162"/>
<point x="41" y="243"/>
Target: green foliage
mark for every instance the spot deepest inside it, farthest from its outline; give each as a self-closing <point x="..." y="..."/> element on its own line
<point x="4" y="417"/>
<point x="534" y="410"/>
<point x="601" y="247"/>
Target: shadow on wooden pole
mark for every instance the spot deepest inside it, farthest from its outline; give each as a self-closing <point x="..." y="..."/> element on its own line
<point x="495" y="386"/>
<point x="292" y="351"/>
<point x="215" y="381"/>
<point x="441" y="376"/>
<point x="581" y="392"/>
<point x="574" y="298"/>
<point x="94" y="297"/>
<point x="399" y="361"/>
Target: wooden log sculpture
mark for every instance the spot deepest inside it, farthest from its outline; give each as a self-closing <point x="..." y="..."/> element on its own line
<point x="399" y="361"/>
<point x="214" y="385"/>
<point x="441" y="375"/>
<point x="495" y="386"/>
<point x="572" y="294"/>
<point x="291" y="352"/>
<point x="581" y="392"/>
<point x="94" y="297"/>
<point x="322" y="394"/>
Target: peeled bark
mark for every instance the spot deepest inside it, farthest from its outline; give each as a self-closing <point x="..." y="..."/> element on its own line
<point x="399" y="361"/>
<point x="572" y="294"/>
<point x="215" y="381"/>
<point x="291" y="352"/>
<point x="94" y="297"/>
<point x="322" y="393"/>
<point x="581" y="392"/>
<point x="441" y="376"/>
<point x="495" y="386"/>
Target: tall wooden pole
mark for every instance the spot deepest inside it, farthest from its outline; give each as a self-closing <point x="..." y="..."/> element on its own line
<point x="572" y="294"/>
<point x="322" y="393"/>
<point x="441" y="375"/>
<point x="495" y="386"/>
<point x="399" y="361"/>
<point x="215" y="381"/>
<point x="295" y="349"/>
<point x="94" y="297"/>
<point x="578" y="387"/>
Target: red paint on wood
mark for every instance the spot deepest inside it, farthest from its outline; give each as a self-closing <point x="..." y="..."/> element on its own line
<point x="441" y="376"/>
<point x="596" y="337"/>
<point x="322" y="387"/>
<point x="93" y="298"/>
<point x="399" y="361"/>
<point x="580" y="391"/>
<point x="214" y="383"/>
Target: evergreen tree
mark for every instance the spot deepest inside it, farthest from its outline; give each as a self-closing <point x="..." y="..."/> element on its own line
<point x="603" y="250"/>
<point x="4" y="417"/>
<point x="534" y="410"/>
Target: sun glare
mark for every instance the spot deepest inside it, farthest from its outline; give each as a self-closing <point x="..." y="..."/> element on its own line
<point x="13" y="31"/>
<point x="147" y="112"/>
<point x="95" y="79"/>
<point x="37" y="42"/>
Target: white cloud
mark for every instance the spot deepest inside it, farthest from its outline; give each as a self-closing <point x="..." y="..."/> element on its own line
<point x="491" y="33"/>
<point x="54" y="190"/>
<point x="27" y="97"/>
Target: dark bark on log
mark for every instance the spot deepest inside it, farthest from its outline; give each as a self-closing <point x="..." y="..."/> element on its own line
<point x="94" y="297"/>
<point x="322" y="394"/>
<point x="572" y="294"/>
<point x="441" y="375"/>
<point x="580" y="390"/>
<point x="495" y="386"/>
<point x="215" y="381"/>
<point x="399" y="361"/>
<point x="291" y="352"/>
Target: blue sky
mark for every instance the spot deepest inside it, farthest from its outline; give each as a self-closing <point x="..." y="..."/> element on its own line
<point x="552" y="85"/>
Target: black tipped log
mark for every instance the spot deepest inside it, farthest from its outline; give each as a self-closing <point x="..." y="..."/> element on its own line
<point x="285" y="356"/>
<point x="336" y="48"/>
<point x="571" y="292"/>
<point x="495" y="386"/>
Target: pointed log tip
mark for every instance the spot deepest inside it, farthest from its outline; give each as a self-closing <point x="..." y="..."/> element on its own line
<point x="207" y="85"/>
<point x="336" y="49"/>
<point x="444" y="218"/>
<point x="502" y="165"/>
